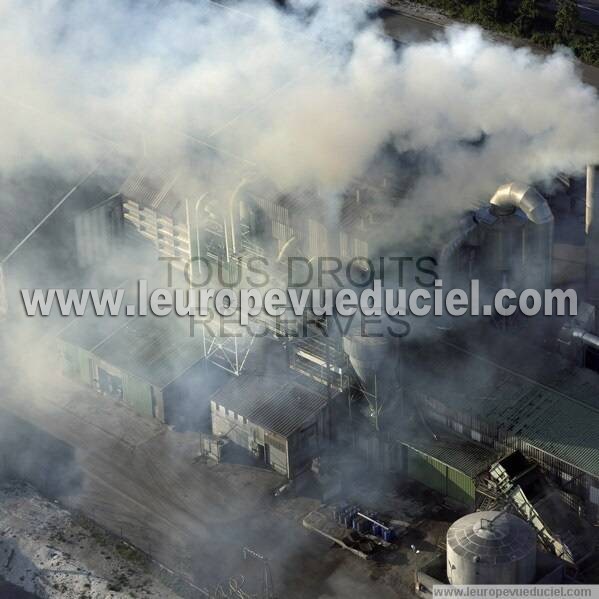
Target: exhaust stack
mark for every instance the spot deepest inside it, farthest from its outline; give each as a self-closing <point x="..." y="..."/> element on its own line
<point x="592" y="237"/>
<point x="518" y="237"/>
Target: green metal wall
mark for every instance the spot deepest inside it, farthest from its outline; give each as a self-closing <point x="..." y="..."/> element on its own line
<point x="437" y="475"/>
<point x="76" y="363"/>
<point x="137" y="394"/>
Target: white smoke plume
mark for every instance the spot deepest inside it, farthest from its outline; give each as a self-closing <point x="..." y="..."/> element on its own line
<point x="306" y="95"/>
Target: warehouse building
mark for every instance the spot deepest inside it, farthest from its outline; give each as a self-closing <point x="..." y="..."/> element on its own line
<point x="448" y="465"/>
<point x="151" y="364"/>
<point x="440" y="460"/>
<point x="283" y="423"/>
<point x="555" y="423"/>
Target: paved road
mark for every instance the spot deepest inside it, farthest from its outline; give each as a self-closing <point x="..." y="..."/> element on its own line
<point x="589" y="11"/>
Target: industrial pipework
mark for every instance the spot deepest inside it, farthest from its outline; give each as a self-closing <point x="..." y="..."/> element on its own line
<point x="232" y="221"/>
<point x="514" y="235"/>
<point x="525" y="197"/>
<point x="517" y="238"/>
<point x="585" y="337"/>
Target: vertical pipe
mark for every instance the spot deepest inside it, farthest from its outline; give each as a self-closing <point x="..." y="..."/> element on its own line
<point x="192" y="213"/>
<point x="232" y="222"/>
<point x="592" y="237"/>
<point x="591" y="196"/>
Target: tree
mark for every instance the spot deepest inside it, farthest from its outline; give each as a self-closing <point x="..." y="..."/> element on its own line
<point x="489" y="10"/>
<point x="528" y="11"/>
<point x="566" y="19"/>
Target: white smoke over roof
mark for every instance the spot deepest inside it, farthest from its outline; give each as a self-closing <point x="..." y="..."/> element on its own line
<point x="307" y="95"/>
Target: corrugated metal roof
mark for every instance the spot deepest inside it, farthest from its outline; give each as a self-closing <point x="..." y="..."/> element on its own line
<point x="156" y="349"/>
<point x="273" y="403"/>
<point x="469" y="458"/>
<point x="151" y="189"/>
<point x="561" y="420"/>
<point x="89" y="330"/>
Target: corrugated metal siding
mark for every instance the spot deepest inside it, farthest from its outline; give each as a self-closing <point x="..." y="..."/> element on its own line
<point x="440" y="477"/>
<point x="512" y="410"/>
<point x="155" y="349"/>
<point x="76" y="363"/>
<point x="427" y="470"/>
<point x="460" y="486"/>
<point x="98" y="232"/>
<point x="275" y="404"/>
<point x="85" y="367"/>
<point x="138" y="395"/>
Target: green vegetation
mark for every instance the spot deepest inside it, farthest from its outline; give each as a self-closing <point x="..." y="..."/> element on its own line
<point x="566" y="19"/>
<point x="131" y="554"/>
<point x="528" y="13"/>
<point x="529" y="20"/>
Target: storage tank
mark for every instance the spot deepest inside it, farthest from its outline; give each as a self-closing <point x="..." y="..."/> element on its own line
<point x="491" y="548"/>
<point x="376" y="362"/>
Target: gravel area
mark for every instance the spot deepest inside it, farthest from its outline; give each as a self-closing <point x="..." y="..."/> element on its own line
<point x="45" y="551"/>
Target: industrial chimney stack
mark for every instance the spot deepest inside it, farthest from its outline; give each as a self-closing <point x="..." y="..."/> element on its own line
<point x="592" y="238"/>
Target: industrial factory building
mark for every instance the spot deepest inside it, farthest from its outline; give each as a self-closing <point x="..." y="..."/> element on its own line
<point x="501" y="406"/>
<point x="153" y="365"/>
<point x="448" y="465"/>
<point x="253" y="218"/>
<point x="449" y="409"/>
<point x="283" y="423"/>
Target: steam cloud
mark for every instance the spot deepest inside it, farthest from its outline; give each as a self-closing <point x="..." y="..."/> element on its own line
<point x="305" y="95"/>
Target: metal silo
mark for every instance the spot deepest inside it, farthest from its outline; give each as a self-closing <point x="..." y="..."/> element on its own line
<point x="491" y="548"/>
<point x="376" y="363"/>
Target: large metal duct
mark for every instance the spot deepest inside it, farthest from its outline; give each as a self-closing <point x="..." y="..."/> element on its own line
<point x="491" y="548"/>
<point x="447" y="257"/>
<point x="522" y="246"/>
<point x="592" y="237"/>
<point x="592" y="193"/>
<point x="501" y="248"/>
<point x="527" y="199"/>
<point x="585" y="337"/>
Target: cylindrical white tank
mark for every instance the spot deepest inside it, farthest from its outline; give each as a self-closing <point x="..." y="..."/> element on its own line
<point x="491" y="548"/>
